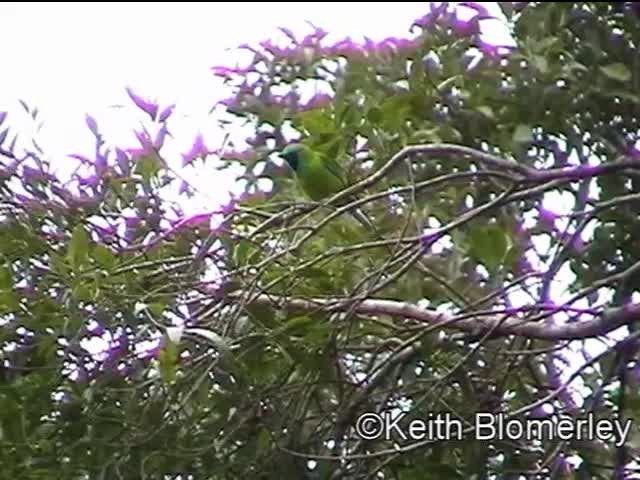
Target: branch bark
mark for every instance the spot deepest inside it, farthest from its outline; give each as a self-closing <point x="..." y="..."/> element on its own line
<point x="605" y="322"/>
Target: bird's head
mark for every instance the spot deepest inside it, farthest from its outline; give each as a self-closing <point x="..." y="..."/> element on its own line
<point x="293" y="154"/>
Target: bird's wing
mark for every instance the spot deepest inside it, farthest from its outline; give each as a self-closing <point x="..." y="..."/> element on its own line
<point x="335" y="169"/>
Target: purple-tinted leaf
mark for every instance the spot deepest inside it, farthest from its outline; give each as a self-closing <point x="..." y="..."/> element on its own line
<point x="132" y="221"/>
<point x="91" y="123"/>
<point x="3" y="136"/>
<point x="405" y="45"/>
<point x="465" y="27"/>
<point x="492" y="50"/>
<point x="158" y="142"/>
<point x="202" y="219"/>
<point x="239" y="155"/>
<point x="29" y="203"/>
<point x="131" y="227"/>
<point x="314" y="38"/>
<point x="144" y="138"/>
<point x="117" y="348"/>
<point x="556" y="383"/>
<point x="228" y="208"/>
<point x="524" y="266"/>
<point x="101" y="164"/>
<point x="519" y="6"/>
<point x="153" y="350"/>
<point x="222" y="71"/>
<point x="432" y="17"/>
<point x="429" y="239"/>
<point x="289" y="34"/>
<point x="96" y="329"/>
<point x="198" y="149"/>
<point x="319" y="100"/>
<point x="146" y="106"/>
<point x="59" y="191"/>
<point x="227" y="72"/>
<point x="123" y="161"/>
<point x="562" y="467"/>
<point x="291" y="100"/>
<point x="229" y="102"/>
<point x="541" y="411"/>
<point x="185" y="188"/>
<point x="26" y="291"/>
<point x="82" y="201"/>
<point x="31" y="175"/>
<point x="246" y="46"/>
<point x="479" y="8"/>
<point x="105" y="233"/>
<point x="90" y="181"/>
<point x="432" y="64"/>
<point x="346" y="48"/>
<point x="634" y="374"/>
<point x="3" y="116"/>
<point x="82" y="158"/>
<point x="146" y="145"/>
<point x="547" y="218"/>
<point x="166" y="113"/>
<point x="259" y="140"/>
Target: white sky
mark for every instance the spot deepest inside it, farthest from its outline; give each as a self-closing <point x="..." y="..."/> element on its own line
<point x="70" y="59"/>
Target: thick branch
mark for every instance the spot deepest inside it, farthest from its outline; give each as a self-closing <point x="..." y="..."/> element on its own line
<point x="604" y="323"/>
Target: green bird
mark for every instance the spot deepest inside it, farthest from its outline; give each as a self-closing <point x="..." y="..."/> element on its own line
<point x="319" y="176"/>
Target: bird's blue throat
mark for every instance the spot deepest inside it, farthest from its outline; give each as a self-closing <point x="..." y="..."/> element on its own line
<point x="292" y="160"/>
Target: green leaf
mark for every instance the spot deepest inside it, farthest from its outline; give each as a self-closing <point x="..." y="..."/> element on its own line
<point x="6" y="279"/>
<point x="261" y="314"/>
<point x="617" y="71"/>
<point x="168" y="361"/>
<point x="104" y="256"/>
<point x="317" y="122"/>
<point x="78" y="247"/>
<point x="83" y="292"/>
<point x="541" y="64"/>
<point x="627" y="96"/>
<point x="264" y="440"/>
<point x="297" y="324"/>
<point x="523" y="134"/>
<point x="8" y="302"/>
<point x="318" y="334"/>
<point x="489" y="246"/>
<point x="394" y="112"/>
<point x="426" y="135"/>
<point x="148" y="167"/>
<point x="157" y="309"/>
<point x="547" y="43"/>
<point x="487" y="111"/>
<point x="374" y="115"/>
<point x="242" y="250"/>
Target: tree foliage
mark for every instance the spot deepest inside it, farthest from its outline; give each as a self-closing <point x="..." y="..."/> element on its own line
<point x="502" y="276"/>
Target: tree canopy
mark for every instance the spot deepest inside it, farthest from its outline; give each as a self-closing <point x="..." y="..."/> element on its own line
<point x="267" y="338"/>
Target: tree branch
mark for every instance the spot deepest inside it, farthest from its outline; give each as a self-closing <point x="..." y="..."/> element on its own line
<point x="602" y="324"/>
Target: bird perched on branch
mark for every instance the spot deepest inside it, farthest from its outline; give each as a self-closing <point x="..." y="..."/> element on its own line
<point x="319" y="176"/>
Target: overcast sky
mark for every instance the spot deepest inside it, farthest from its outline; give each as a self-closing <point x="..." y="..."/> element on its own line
<point x="69" y="59"/>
